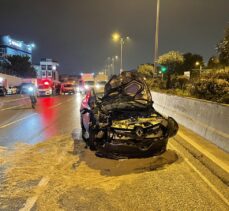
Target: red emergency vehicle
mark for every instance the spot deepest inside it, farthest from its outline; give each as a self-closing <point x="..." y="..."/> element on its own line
<point x="47" y="87"/>
<point x="86" y="82"/>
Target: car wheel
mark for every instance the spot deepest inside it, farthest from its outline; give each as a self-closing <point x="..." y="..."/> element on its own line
<point x="83" y="132"/>
<point x="92" y="139"/>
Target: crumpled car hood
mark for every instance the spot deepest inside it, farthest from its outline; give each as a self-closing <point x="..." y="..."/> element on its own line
<point x="126" y="91"/>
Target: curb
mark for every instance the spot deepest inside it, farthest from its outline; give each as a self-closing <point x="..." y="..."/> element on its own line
<point x="218" y="165"/>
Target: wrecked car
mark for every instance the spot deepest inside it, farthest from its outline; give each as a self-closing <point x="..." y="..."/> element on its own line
<point x="123" y="123"/>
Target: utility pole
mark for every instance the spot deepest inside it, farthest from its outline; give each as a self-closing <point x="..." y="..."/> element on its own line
<point x="121" y="65"/>
<point x="156" y="36"/>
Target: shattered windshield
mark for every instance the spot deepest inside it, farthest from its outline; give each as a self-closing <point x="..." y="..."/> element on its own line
<point x="128" y="84"/>
<point x="126" y="91"/>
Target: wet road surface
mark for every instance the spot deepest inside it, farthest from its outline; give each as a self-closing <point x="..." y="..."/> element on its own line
<point x="53" y="116"/>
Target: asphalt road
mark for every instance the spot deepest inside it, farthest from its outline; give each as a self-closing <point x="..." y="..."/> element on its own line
<point x="47" y="176"/>
<point x="53" y="116"/>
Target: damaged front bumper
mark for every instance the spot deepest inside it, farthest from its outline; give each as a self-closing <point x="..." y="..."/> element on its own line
<point x="138" y="139"/>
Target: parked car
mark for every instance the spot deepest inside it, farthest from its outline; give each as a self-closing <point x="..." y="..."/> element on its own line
<point x="68" y="88"/>
<point x="12" y="90"/>
<point x="18" y="88"/>
<point x="123" y="123"/>
<point x="3" y="91"/>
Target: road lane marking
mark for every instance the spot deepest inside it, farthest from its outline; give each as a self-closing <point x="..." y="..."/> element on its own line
<point x="4" y="109"/>
<point x="29" y="204"/>
<point x="8" y="108"/>
<point x="214" y="159"/>
<point x="8" y="124"/>
<point x="18" y="120"/>
<point x="54" y="106"/>
<point x="32" y="200"/>
<point x="8" y="101"/>
<point x="202" y="176"/>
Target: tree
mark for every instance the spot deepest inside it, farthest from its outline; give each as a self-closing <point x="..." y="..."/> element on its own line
<point x="21" y="66"/>
<point x="223" y="49"/>
<point x="171" y="60"/>
<point x="190" y="61"/>
<point x="146" y="70"/>
<point x="213" y="62"/>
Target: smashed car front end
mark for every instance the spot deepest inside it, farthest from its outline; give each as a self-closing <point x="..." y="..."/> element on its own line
<point x="138" y="136"/>
<point x="124" y="122"/>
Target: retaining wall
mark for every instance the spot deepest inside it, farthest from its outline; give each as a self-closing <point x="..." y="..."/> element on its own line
<point x="208" y="119"/>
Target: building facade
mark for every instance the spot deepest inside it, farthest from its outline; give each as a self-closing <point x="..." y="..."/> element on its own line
<point x="11" y="47"/>
<point x="47" y="69"/>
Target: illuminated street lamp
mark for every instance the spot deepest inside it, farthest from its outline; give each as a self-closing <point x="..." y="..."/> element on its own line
<point x="117" y="38"/>
<point x="33" y="45"/>
<point x="198" y="64"/>
<point x="54" y="67"/>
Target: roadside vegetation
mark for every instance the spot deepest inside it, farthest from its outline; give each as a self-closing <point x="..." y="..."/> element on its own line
<point x="18" y="66"/>
<point x="187" y="75"/>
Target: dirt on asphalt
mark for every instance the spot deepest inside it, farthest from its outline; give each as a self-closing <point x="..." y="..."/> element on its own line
<point x="78" y="181"/>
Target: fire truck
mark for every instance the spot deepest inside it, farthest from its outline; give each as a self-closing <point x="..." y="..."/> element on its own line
<point x="48" y="87"/>
<point x="86" y="82"/>
<point x="100" y="80"/>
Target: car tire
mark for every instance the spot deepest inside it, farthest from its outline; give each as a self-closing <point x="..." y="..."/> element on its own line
<point x="92" y="139"/>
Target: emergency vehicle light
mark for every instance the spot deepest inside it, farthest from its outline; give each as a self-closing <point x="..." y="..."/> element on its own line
<point x="46" y="83"/>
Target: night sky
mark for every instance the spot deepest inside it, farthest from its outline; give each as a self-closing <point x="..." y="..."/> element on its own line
<point x="77" y="33"/>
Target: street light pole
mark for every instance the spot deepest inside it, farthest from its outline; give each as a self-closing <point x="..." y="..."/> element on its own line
<point x="108" y="66"/>
<point x="121" y="64"/>
<point x="117" y="38"/>
<point x="113" y="59"/>
<point x="156" y="36"/>
<point x="200" y="66"/>
<point x="113" y="66"/>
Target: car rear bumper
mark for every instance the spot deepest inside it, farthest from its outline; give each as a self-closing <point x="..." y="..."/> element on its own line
<point x="44" y="93"/>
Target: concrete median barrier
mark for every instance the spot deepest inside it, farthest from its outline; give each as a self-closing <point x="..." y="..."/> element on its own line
<point x="208" y="119"/>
